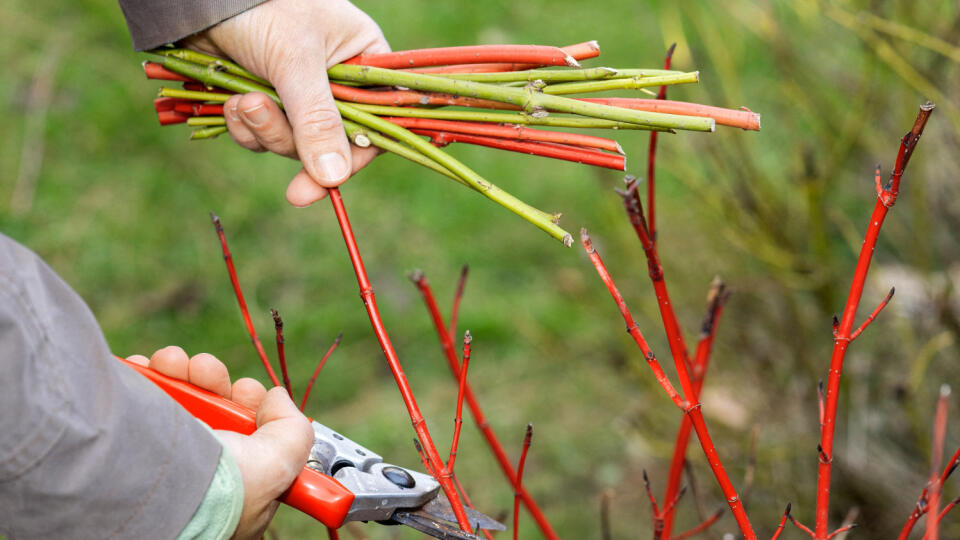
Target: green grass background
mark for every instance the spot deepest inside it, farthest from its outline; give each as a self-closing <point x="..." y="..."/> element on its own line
<point x="120" y="211"/>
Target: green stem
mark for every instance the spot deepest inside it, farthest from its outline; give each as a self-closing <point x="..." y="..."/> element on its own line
<point x="526" y="98"/>
<point x="213" y="77"/>
<point x="207" y="133"/>
<point x="206" y="60"/>
<point x="497" y="118"/>
<point x="191" y="94"/>
<point x="197" y="121"/>
<point x="621" y="84"/>
<point x="554" y="75"/>
<point x="537" y="217"/>
<point x="385" y="143"/>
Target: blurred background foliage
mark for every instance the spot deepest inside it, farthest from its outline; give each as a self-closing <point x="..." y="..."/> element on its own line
<point x="119" y="208"/>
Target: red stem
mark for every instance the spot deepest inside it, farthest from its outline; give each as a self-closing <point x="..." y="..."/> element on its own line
<point x="885" y="200"/>
<point x="489" y="435"/>
<point x="715" y="301"/>
<point x="516" y="493"/>
<point x="411" y="97"/>
<point x="458" y="420"/>
<point x="444" y="56"/>
<point x="652" y="157"/>
<point x="281" y="356"/>
<point x="936" y="457"/>
<point x="566" y="153"/>
<point x="457" y="297"/>
<point x="332" y="534"/>
<point x="156" y="71"/>
<point x="802" y="527"/>
<point x="580" y="51"/>
<point x="856" y="333"/>
<point x="693" y="411"/>
<point x="517" y="132"/>
<point x="783" y="522"/>
<point x="199" y="109"/>
<point x="370" y="303"/>
<point x="704" y="525"/>
<point x="238" y="292"/>
<point x="743" y="119"/>
<point x="920" y="508"/>
<point x="323" y="361"/>
<point x="842" y="529"/>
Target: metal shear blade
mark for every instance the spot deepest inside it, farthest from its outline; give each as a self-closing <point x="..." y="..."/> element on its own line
<point x="388" y="493"/>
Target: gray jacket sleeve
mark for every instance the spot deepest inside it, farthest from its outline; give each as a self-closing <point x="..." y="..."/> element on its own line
<point x="155" y="22"/>
<point x="88" y="447"/>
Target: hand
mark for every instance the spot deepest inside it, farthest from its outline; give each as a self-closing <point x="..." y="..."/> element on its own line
<point x="269" y="459"/>
<point x="291" y="43"/>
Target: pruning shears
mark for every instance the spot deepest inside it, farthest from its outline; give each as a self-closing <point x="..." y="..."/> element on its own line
<point x="342" y="480"/>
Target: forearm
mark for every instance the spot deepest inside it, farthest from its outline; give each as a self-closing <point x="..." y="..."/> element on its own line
<point x="86" y="445"/>
<point x="153" y="23"/>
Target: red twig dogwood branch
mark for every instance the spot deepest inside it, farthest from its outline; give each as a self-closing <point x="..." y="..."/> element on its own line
<point x="516" y="494"/>
<point x="652" y="156"/>
<point x="886" y="197"/>
<point x="567" y="153"/>
<point x="716" y="299"/>
<point x="320" y="364"/>
<point x="432" y="459"/>
<point x="446" y="342"/>
<point x="691" y="409"/>
<point x="920" y="508"/>
<point x="458" y="420"/>
<point x="579" y="51"/>
<point x="281" y="355"/>
<point x="238" y="292"/>
<point x="528" y="54"/>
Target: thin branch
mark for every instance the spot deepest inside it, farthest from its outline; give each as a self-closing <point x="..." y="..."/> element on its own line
<point x="801" y="526"/>
<point x="856" y="333"/>
<point x="841" y="530"/>
<point x="458" y="420"/>
<point x="320" y="364"/>
<point x="704" y="525"/>
<point x="936" y="457"/>
<point x="238" y="292"/>
<point x="516" y="494"/>
<point x="884" y="202"/>
<point x="332" y="534"/>
<point x="652" y="156"/>
<point x="489" y="435"/>
<point x="281" y="355"/>
<point x="457" y="297"/>
<point x="370" y="303"/>
<point x="783" y="522"/>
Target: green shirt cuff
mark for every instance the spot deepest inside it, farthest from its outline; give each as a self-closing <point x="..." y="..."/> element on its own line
<point x="218" y="514"/>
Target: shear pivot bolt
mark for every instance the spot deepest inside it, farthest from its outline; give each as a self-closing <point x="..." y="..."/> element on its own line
<point x="399" y="477"/>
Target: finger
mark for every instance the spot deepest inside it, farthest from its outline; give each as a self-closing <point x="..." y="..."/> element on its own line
<point x="363" y="156"/>
<point x="139" y="359"/>
<point x="239" y="131"/>
<point x="248" y="392"/>
<point x="267" y="123"/>
<point x="318" y="133"/>
<point x="303" y="191"/>
<point x="207" y="372"/>
<point x="286" y="433"/>
<point x="171" y="361"/>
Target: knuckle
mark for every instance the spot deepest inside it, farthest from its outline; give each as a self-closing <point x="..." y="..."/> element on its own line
<point x="319" y="125"/>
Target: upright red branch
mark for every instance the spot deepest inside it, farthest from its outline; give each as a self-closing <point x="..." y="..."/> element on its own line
<point x="281" y="354"/>
<point x="516" y="494"/>
<point x="651" y="159"/>
<point x="691" y="409"/>
<point x="370" y="303"/>
<point x="489" y="435"/>
<point x="238" y="292"/>
<point x="886" y="197"/>
<point x="320" y="364"/>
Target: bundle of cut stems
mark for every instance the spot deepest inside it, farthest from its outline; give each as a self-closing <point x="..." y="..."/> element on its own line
<point x="400" y="103"/>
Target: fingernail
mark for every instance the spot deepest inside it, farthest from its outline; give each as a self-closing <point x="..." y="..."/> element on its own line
<point x="233" y="114"/>
<point x="332" y="168"/>
<point x="256" y="115"/>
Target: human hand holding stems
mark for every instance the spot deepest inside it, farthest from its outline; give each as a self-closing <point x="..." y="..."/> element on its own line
<point x="291" y="43"/>
<point x="269" y="459"/>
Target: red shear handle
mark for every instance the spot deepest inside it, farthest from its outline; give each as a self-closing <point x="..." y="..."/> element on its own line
<point x="313" y="493"/>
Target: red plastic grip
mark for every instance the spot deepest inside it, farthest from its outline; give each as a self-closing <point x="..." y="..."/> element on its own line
<point x="313" y="493"/>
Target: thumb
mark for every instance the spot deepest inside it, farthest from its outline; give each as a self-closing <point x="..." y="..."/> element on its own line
<point x="285" y="435"/>
<point x="318" y="133"/>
